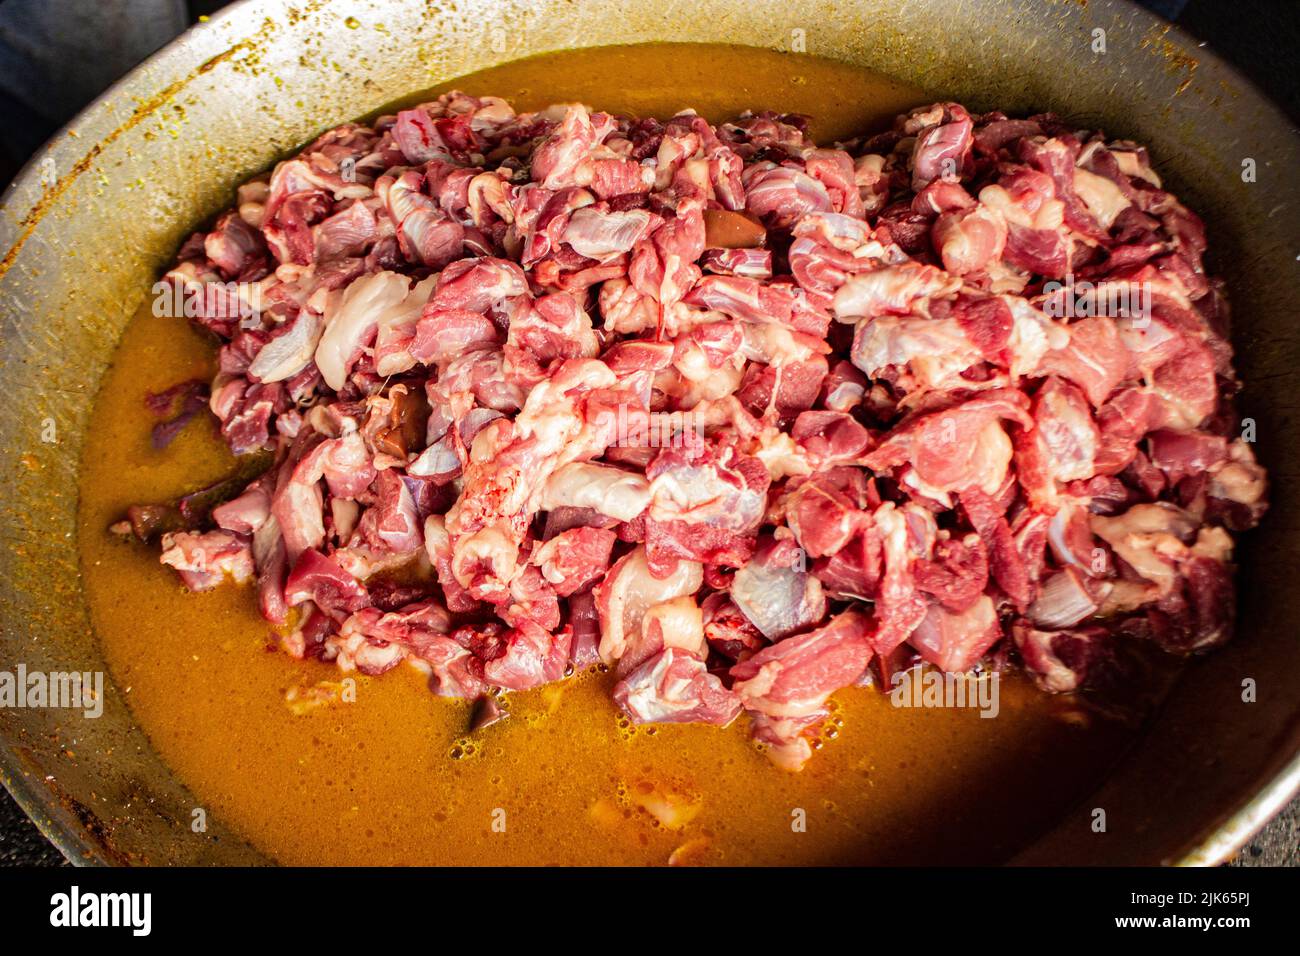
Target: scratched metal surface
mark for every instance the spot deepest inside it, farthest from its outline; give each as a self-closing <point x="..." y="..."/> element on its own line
<point x="164" y="149"/>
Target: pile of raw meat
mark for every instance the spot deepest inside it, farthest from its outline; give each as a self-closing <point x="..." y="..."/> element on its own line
<point x="745" y="419"/>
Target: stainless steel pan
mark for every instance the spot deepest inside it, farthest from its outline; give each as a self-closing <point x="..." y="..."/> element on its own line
<point x="85" y="227"/>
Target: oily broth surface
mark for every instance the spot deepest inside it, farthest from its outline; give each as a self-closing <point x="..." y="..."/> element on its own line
<point x="393" y="778"/>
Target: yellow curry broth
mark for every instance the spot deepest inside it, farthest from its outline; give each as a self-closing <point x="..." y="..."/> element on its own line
<point x="394" y="777"/>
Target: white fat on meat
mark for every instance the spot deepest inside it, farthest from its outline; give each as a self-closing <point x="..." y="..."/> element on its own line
<point x="351" y="319"/>
<point x="934" y="350"/>
<point x="1102" y="197"/>
<point x="510" y="465"/>
<point x="1132" y="162"/>
<point x="891" y="289"/>
<point x="699" y="494"/>
<point x="774" y="344"/>
<point x="686" y="393"/>
<point x="288" y="354"/>
<point x="396" y="325"/>
<point x="605" y="235"/>
<point x="1050" y="215"/>
<point x="780" y="455"/>
<point x="778" y="600"/>
<point x="1150" y="538"/>
<point x="1033" y="335"/>
<point x="611" y="491"/>
<point x="1238" y="478"/>
<point x="677" y="623"/>
<point x="629" y="590"/>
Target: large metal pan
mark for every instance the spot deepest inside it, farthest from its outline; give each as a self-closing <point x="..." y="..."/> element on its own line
<point x="85" y="227"/>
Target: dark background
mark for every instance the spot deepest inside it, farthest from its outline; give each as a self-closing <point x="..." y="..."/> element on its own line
<point x="58" y="55"/>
